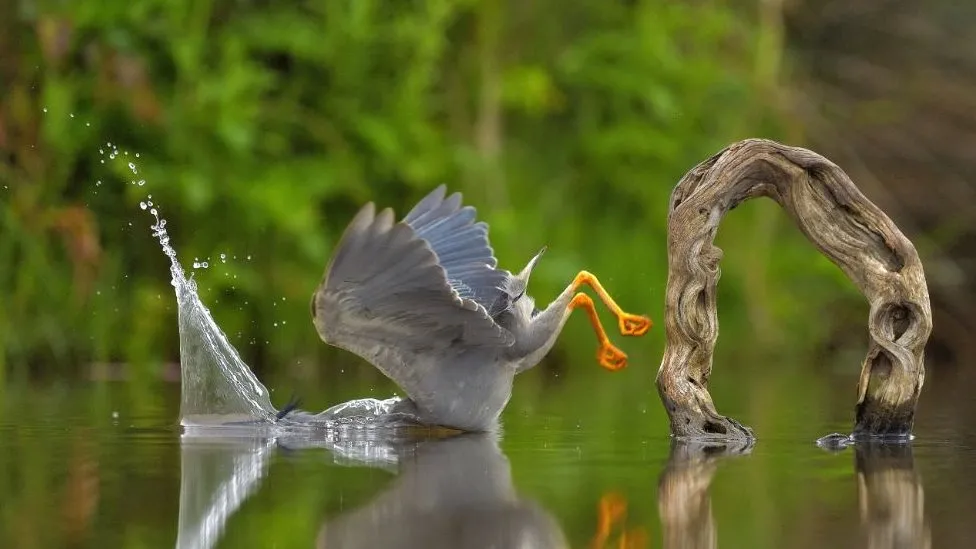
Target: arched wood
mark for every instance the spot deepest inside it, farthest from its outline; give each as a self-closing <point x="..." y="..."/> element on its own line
<point x="846" y="227"/>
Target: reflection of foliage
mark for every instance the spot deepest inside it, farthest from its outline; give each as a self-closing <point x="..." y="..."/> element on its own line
<point x="261" y="128"/>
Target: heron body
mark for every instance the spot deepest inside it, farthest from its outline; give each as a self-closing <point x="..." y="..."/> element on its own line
<point x="423" y="301"/>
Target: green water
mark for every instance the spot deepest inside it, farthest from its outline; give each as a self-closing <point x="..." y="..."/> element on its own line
<point x="103" y="464"/>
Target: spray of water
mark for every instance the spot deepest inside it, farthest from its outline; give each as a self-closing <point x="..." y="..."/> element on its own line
<point x="218" y="388"/>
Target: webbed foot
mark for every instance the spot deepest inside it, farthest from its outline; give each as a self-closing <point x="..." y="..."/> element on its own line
<point x="611" y="358"/>
<point x="634" y="325"/>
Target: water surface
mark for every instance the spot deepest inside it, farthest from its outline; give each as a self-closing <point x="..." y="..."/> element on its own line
<point x="104" y="465"/>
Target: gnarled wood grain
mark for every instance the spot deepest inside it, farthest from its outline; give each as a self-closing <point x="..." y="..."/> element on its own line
<point x="846" y="227"/>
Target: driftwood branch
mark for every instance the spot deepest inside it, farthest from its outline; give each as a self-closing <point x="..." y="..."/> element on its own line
<point x="846" y="227"/>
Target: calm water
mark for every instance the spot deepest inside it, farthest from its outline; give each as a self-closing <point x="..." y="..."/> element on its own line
<point x="80" y="468"/>
<point x="581" y="463"/>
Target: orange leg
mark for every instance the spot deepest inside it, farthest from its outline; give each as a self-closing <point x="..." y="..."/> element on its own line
<point x="607" y="355"/>
<point x="630" y="324"/>
<point x="635" y="538"/>
<point x="613" y="510"/>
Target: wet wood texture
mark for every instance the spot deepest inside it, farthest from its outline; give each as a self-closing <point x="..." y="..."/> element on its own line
<point x="846" y="227"/>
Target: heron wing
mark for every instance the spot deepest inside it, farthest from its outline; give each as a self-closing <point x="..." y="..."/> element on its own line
<point x="462" y="248"/>
<point x="386" y="288"/>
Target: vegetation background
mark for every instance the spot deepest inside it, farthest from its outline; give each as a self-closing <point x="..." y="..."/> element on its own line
<point x="261" y="127"/>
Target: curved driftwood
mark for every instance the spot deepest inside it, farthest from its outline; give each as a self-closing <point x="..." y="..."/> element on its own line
<point x="846" y="227"/>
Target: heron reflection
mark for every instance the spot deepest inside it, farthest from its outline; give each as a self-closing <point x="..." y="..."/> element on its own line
<point x="454" y="491"/>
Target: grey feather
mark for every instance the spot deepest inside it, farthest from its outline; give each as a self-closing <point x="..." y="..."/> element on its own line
<point x="384" y="275"/>
<point x="422" y="300"/>
<point x="461" y="246"/>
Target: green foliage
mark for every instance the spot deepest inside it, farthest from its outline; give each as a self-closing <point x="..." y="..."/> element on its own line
<point x="260" y="128"/>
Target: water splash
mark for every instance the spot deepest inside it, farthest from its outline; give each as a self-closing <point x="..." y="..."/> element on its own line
<point x="218" y="386"/>
<point x="220" y="390"/>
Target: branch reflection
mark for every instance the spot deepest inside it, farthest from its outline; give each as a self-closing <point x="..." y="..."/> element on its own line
<point x="890" y="495"/>
<point x="684" y="503"/>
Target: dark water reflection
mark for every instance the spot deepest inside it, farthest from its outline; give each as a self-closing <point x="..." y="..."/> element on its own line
<point x="82" y="469"/>
<point x="448" y="492"/>
<point x="890" y="495"/>
<point x="458" y="492"/>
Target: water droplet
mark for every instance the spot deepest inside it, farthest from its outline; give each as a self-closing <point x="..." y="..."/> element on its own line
<point x="71" y="114"/>
<point x="98" y="183"/>
<point x="275" y="324"/>
<point x="137" y="155"/>
<point x="88" y="124"/>
<point x="44" y="109"/>
<point x="141" y="182"/>
<point x="248" y="257"/>
<point x="142" y="205"/>
<point x="132" y="167"/>
<point x="223" y="258"/>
